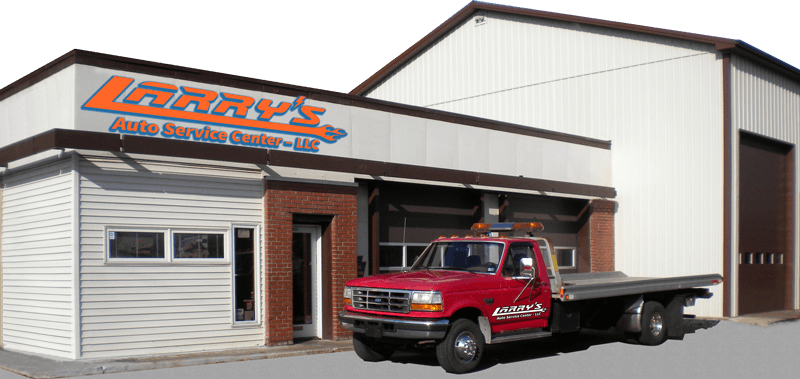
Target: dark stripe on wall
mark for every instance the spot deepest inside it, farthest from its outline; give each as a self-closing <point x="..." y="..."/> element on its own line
<point x="727" y="199"/>
<point x="76" y="139"/>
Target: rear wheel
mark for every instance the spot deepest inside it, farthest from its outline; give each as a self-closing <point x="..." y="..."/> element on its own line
<point x="369" y="350"/>
<point x="654" y="324"/>
<point x="461" y="351"/>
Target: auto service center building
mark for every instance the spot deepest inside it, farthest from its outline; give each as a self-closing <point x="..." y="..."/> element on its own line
<point x="155" y="209"/>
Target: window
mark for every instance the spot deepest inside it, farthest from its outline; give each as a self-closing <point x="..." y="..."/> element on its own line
<point x="473" y="256"/>
<point x="199" y="245"/>
<point x="245" y="278"/>
<point x="396" y="256"/>
<point x="166" y="246"/>
<point x="565" y="256"/>
<point x="517" y="251"/>
<point x="136" y="244"/>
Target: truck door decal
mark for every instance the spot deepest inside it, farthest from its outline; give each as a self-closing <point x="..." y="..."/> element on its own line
<point x="518" y="311"/>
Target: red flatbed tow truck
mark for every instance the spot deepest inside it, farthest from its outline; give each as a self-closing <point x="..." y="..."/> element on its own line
<point x="465" y="292"/>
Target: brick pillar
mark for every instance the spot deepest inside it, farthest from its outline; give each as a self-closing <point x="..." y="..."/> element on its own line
<point x="597" y="237"/>
<point x="281" y="201"/>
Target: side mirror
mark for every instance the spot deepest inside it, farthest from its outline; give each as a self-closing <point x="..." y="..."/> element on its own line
<point x="527" y="267"/>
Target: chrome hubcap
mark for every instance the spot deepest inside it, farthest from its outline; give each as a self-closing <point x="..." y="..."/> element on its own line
<point x="656" y="324"/>
<point x="465" y="347"/>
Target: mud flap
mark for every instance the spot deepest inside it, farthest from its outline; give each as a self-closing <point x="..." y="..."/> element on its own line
<point x="675" y="318"/>
<point x="486" y="329"/>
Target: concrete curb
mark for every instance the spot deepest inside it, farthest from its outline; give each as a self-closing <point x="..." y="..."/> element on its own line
<point x="37" y="366"/>
<point x="768" y="318"/>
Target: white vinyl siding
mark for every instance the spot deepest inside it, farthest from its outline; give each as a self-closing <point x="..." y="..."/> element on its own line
<point x="159" y="308"/>
<point x="768" y="104"/>
<point x="658" y="100"/>
<point x="37" y="246"/>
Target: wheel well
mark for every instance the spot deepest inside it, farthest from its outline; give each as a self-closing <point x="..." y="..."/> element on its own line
<point x="467" y="313"/>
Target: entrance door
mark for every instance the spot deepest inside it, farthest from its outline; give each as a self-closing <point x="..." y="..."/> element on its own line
<point x="765" y="224"/>
<point x="306" y="281"/>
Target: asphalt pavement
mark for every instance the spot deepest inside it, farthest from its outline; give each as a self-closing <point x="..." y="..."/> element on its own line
<point x="767" y="343"/>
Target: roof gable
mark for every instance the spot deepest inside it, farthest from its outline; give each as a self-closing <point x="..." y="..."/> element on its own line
<point x="720" y="44"/>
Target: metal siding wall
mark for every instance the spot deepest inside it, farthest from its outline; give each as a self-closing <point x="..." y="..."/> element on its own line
<point x="46" y="105"/>
<point x="658" y="100"/>
<point x="37" y="245"/>
<point x="764" y="102"/>
<point x="161" y="308"/>
<point x="768" y="104"/>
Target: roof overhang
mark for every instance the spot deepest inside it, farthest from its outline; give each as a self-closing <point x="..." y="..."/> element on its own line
<point x="60" y="139"/>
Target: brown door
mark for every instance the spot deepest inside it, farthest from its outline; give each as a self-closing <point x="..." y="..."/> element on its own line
<point x="765" y="224"/>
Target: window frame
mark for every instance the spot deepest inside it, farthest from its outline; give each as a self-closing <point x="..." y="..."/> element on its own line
<point x="169" y="249"/>
<point x="107" y="245"/>
<point x="257" y="271"/>
<point x="506" y="260"/>
<point x="556" y="250"/>
<point x="226" y="245"/>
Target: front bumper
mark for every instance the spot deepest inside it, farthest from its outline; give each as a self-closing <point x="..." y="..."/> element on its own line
<point x="394" y="327"/>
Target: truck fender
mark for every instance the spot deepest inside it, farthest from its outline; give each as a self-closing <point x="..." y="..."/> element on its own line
<point x="631" y="320"/>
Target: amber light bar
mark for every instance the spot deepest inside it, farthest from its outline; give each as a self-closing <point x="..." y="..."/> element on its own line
<point x="528" y="227"/>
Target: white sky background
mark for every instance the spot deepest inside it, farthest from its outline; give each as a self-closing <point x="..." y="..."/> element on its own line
<point x="332" y="45"/>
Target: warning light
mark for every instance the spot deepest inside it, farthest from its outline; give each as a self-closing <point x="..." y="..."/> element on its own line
<point x="527" y="227"/>
<point x="480" y="226"/>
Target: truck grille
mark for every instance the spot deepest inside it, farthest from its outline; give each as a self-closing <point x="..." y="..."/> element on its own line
<point x="378" y="299"/>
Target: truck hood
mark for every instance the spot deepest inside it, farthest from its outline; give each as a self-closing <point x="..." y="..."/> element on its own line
<point x="433" y="280"/>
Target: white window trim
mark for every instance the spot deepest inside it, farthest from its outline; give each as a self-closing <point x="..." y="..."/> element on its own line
<point x="226" y="259"/>
<point x="574" y="256"/>
<point x="107" y="259"/>
<point x="169" y="256"/>
<point x="406" y="263"/>
<point x="257" y="271"/>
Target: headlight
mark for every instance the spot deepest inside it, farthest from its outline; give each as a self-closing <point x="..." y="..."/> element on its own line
<point x="348" y="295"/>
<point x="426" y="301"/>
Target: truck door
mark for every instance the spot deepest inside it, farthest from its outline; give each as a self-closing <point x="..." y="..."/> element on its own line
<point x="523" y="303"/>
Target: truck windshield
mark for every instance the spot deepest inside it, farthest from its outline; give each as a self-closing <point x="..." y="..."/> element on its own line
<point x="474" y="256"/>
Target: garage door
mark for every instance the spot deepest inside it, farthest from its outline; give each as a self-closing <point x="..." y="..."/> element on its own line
<point x="765" y="224"/>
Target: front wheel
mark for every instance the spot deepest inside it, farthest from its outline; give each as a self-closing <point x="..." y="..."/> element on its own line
<point x="462" y="349"/>
<point x="654" y="324"/>
<point x="369" y="350"/>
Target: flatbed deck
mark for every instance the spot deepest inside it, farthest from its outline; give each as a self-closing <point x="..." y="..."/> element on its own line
<point x="584" y="286"/>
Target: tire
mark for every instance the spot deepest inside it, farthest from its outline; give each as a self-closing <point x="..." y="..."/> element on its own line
<point x="654" y="324"/>
<point x="369" y="350"/>
<point x="462" y="349"/>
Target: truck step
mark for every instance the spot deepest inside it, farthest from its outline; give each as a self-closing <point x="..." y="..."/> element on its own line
<point x="500" y="338"/>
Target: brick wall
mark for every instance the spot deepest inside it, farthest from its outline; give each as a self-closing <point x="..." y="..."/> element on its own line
<point x="283" y="200"/>
<point x="597" y="237"/>
<point x="602" y="235"/>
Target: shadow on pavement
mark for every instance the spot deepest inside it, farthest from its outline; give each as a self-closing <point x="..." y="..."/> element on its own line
<point x="539" y="348"/>
<point x="691" y="325"/>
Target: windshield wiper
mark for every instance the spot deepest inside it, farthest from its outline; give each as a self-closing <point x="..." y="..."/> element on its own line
<point x="450" y="268"/>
